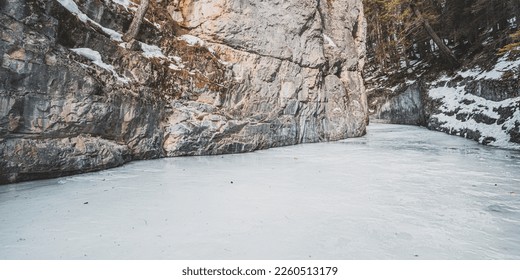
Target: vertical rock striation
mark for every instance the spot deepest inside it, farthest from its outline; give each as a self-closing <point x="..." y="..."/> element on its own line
<point x="203" y="77"/>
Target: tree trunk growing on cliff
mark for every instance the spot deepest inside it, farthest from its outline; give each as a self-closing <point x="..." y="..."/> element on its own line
<point x="137" y="21"/>
<point x="445" y="51"/>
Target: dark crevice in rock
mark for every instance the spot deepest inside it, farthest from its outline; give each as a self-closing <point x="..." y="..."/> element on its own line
<point x="238" y="48"/>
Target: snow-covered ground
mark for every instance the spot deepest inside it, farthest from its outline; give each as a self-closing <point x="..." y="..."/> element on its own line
<point x="401" y="192"/>
<point x="464" y="110"/>
<point x="502" y="66"/>
<point x="456" y="102"/>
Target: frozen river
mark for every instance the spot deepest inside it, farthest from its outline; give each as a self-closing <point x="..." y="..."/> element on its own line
<point x="398" y="193"/>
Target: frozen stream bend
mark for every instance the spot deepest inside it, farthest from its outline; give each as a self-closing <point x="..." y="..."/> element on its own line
<point x="400" y="192"/>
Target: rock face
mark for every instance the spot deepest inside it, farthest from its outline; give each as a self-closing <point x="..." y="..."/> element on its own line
<point x="405" y="107"/>
<point x="482" y="105"/>
<point x="202" y="78"/>
<point x="467" y="107"/>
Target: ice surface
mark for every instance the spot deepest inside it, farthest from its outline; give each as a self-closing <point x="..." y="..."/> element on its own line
<point x="401" y="192"/>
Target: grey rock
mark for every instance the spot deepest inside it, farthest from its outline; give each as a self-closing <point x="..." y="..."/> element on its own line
<point x="496" y="109"/>
<point x="495" y="90"/>
<point x="264" y="74"/>
<point x="405" y="108"/>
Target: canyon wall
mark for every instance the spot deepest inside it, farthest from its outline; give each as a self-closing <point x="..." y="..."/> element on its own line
<point x="202" y="78"/>
<point x="482" y="104"/>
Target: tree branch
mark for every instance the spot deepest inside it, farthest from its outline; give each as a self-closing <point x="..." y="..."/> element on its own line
<point x="137" y="21"/>
<point x="445" y="51"/>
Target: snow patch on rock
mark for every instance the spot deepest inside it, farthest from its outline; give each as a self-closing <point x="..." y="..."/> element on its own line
<point x="72" y="7"/>
<point x="125" y="3"/>
<point x="329" y="41"/>
<point x="175" y="58"/>
<point x="95" y="57"/>
<point x="454" y="97"/>
<point x="174" y="67"/>
<point x="460" y="112"/>
<point x="150" y="51"/>
<point x="192" y="40"/>
<point x="503" y="65"/>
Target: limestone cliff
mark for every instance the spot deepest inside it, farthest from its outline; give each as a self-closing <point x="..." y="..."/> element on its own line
<point x="203" y="77"/>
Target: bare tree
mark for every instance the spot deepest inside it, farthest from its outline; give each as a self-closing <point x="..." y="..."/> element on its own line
<point x="445" y="51"/>
<point x="137" y="21"/>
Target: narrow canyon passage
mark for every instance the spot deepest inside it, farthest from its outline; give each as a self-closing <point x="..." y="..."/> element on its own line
<point x="400" y="192"/>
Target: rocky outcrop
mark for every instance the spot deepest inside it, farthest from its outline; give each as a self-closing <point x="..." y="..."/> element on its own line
<point x="482" y="105"/>
<point x="466" y="107"/>
<point x="203" y="77"/>
<point x="402" y="106"/>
